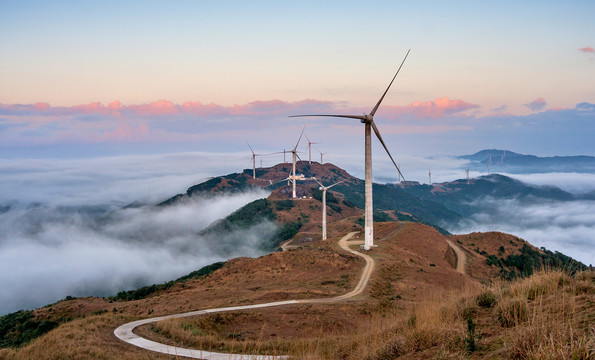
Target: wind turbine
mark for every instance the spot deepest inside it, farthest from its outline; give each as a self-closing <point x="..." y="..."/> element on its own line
<point x="310" y="150"/>
<point x="321" y="153"/>
<point x="368" y="121"/>
<point x="254" y="161"/>
<point x="324" y="189"/>
<point x="467" y="171"/>
<point x="489" y="163"/>
<point x="294" y="153"/>
<point x="430" y="175"/>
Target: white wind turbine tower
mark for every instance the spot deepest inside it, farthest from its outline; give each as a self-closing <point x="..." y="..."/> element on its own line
<point x="430" y="175"/>
<point x="368" y="121"/>
<point x="310" y="150"/>
<point x="321" y="153"/>
<point x="324" y="189"/>
<point x="467" y="171"/>
<point x="254" y="161"/>
<point x="489" y="163"/>
<point x="294" y="155"/>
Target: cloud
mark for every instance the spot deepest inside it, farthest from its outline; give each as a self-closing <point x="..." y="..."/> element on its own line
<point x="587" y="49"/>
<point x="500" y="109"/>
<point x="433" y="109"/>
<point x="54" y="244"/>
<point x="163" y="126"/>
<point x="567" y="227"/>
<point x="537" y="104"/>
<point x="48" y="252"/>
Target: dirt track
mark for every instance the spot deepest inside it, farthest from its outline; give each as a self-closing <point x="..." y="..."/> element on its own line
<point x="461" y="257"/>
<point x="125" y="332"/>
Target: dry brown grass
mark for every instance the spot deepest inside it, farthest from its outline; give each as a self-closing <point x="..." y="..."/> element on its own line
<point x="547" y="316"/>
<point x="85" y="338"/>
<point x="406" y="313"/>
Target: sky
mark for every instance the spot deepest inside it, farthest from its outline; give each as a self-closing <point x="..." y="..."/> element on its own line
<point x="104" y="103"/>
<point x="113" y="78"/>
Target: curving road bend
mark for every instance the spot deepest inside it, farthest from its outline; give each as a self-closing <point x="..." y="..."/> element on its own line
<point x="461" y="257"/>
<point x="125" y="332"/>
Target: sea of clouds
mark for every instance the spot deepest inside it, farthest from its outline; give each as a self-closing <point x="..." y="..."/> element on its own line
<point x="65" y="230"/>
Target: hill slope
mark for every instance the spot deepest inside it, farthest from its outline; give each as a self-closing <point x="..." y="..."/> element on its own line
<point x="413" y="262"/>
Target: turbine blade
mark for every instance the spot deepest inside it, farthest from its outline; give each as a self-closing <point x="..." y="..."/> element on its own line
<point x="389" y="85"/>
<point x="336" y="184"/>
<point x="385" y="148"/>
<point x="319" y="183"/>
<point x="250" y="148"/>
<point x="359" y="117"/>
<point x="296" y="145"/>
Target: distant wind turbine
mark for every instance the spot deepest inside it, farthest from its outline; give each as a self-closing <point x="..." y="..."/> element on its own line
<point x="294" y="153"/>
<point x="368" y="121"/>
<point x="321" y="153"/>
<point x="467" y="171"/>
<point x="310" y="150"/>
<point x="489" y="163"/>
<point x="430" y="175"/>
<point x="324" y="189"/>
<point x="254" y="161"/>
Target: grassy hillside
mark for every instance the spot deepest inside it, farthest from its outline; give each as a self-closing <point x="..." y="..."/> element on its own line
<point x="416" y="305"/>
<point x="461" y="197"/>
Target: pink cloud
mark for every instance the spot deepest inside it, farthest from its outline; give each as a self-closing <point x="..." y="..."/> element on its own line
<point x="159" y="107"/>
<point x="432" y="109"/>
<point x="587" y="49"/>
<point x="115" y="105"/>
<point x="537" y="104"/>
<point x="420" y="129"/>
<point x="41" y="106"/>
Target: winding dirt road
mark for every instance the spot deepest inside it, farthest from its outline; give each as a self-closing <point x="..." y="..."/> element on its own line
<point x="461" y="257"/>
<point x="125" y="332"/>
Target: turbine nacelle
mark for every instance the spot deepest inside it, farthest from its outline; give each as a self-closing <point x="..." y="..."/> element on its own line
<point x="367" y="118"/>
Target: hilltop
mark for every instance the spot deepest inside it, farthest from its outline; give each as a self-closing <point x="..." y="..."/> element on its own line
<point x="414" y="266"/>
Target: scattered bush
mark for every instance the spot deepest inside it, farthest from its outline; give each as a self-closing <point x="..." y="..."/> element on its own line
<point x="284" y="205"/>
<point x="486" y="299"/>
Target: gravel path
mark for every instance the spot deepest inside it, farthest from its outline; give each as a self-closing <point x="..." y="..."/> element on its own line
<point x="125" y="332"/>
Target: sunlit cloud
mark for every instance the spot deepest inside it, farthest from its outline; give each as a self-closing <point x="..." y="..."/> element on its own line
<point x="587" y="49"/>
<point x="537" y="104"/>
<point x="194" y="126"/>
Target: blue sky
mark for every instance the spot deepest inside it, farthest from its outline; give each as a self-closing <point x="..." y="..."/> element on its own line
<point x="106" y="76"/>
<point x="104" y="103"/>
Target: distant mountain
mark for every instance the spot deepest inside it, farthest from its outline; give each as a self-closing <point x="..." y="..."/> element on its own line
<point x="387" y="197"/>
<point x="511" y="162"/>
<point x="462" y="197"/>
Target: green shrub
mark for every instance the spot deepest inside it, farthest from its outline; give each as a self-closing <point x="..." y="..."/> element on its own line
<point x="284" y="205"/>
<point x="21" y="327"/>
<point x="486" y="299"/>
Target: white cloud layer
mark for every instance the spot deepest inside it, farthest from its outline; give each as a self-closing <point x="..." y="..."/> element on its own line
<point x="61" y="232"/>
<point x="567" y="227"/>
<point x="53" y="245"/>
